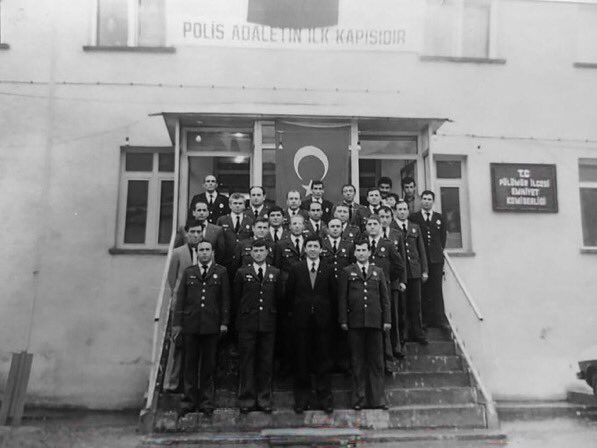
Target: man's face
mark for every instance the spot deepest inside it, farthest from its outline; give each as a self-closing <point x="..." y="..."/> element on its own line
<point x="409" y="190"/>
<point x="335" y="227"/>
<point x="385" y="218"/>
<point x="427" y="202"/>
<point x="384" y="190"/>
<point x="276" y="219"/>
<point x="315" y="211"/>
<point x="402" y="211"/>
<point x="210" y="183"/>
<point x="348" y="194"/>
<point x="374" y="197"/>
<point x="389" y="201"/>
<point x="194" y="235"/>
<point x="317" y="191"/>
<point x="293" y="200"/>
<point x="260" y="229"/>
<point x="312" y="249"/>
<point x="373" y="227"/>
<point x="257" y="197"/>
<point x="259" y="254"/>
<point x="297" y="225"/>
<point x="204" y="252"/>
<point x="362" y="253"/>
<point x="342" y="214"/>
<point x="237" y="205"/>
<point x="201" y="211"/>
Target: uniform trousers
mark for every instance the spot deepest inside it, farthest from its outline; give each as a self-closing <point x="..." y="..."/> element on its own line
<point x="199" y="369"/>
<point x="414" y="329"/>
<point x="394" y="332"/>
<point x="367" y="367"/>
<point x="313" y="355"/>
<point x="433" y="297"/>
<point x="256" y="350"/>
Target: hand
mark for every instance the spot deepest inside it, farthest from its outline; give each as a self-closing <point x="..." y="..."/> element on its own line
<point x="387" y="327"/>
<point x="424" y="276"/>
<point x="401" y="287"/>
<point x="344" y="327"/>
<point x="176" y="332"/>
<point x="223" y="329"/>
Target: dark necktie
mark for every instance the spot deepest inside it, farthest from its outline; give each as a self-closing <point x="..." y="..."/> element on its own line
<point x="260" y="274"/>
<point x="364" y="271"/>
<point x="256" y="212"/>
<point x="316" y="228"/>
<point x="204" y="274"/>
<point x="404" y="228"/>
<point x="313" y="268"/>
<point x="276" y="239"/>
<point x="237" y="225"/>
<point x="312" y="276"/>
<point x="373" y="247"/>
<point x="350" y="213"/>
<point x="385" y="233"/>
<point x="297" y="245"/>
<point x="210" y="200"/>
<point x="428" y="218"/>
<point x="335" y="247"/>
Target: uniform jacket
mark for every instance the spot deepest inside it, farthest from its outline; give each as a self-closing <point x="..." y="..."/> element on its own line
<point x="352" y="208"/>
<point x="310" y="229"/>
<point x="416" y="258"/>
<point x="180" y="260"/>
<point x="326" y="208"/>
<point x="396" y="237"/>
<point x="434" y="235"/>
<point x="386" y="256"/>
<point x="301" y="212"/>
<point x="363" y="302"/>
<point x="218" y="208"/>
<point x="232" y="238"/>
<point x="263" y="213"/>
<point x="339" y="260"/>
<point x="286" y="255"/>
<point x="359" y="218"/>
<point x="351" y="232"/>
<point x="215" y="235"/>
<point x="284" y="234"/>
<point x="304" y="300"/>
<point x="243" y="252"/>
<point x="202" y="305"/>
<point x="256" y="301"/>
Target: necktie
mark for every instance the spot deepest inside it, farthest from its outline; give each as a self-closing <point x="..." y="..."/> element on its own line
<point x="373" y="247"/>
<point x="313" y="268"/>
<point x="256" y="212"/>
<point x="210" y="200"/>
<point x="350" y="213"/>
<point x="385" y="233"/>
<point x="260" y="274"/>
<point x="428" y="217"/>
<point x="404" y="228"/>
<point x="194" y="256"/>
<point x="237" y="225"/>
<point x="276" y="239"/>
<point x="312" y="275"/>
<point x="204" y="274"/>
<point x="335" y="247"/>
<point x="364" y="272"/>
<point x="297" y="245"/>
<point x="316" y="228"/>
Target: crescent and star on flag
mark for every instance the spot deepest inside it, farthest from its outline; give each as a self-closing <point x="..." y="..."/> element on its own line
<point x="312" y="151"/>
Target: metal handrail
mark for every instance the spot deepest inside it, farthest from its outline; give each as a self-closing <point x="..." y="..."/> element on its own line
<point x="468" y="296"/>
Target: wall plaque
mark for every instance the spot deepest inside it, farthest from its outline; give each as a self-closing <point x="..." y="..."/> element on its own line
<point x="524" y="187"/>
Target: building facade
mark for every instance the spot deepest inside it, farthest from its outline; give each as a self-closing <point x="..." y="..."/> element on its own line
<point x="112" y="112"/>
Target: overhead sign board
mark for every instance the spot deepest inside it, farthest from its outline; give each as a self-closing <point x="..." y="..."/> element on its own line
<point x="524" y="187"/>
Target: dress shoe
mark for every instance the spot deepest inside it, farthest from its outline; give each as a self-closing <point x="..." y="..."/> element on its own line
<point x="422" y="340"/>
<point x="266" y="409"/>
<point x="245" y="410"/>
<point x="208" y="412"/>
<point x="357" y="407"/>
<point x="299" y="409"/>
<point x="383" y="407"/>
<point x="328" y="409"/>
<point x="398" y="354"/>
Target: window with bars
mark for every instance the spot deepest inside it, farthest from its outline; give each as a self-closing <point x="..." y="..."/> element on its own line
<point x="146" y="198"/>
<point x="586" y="38"/>
<point x="587" y="176"/>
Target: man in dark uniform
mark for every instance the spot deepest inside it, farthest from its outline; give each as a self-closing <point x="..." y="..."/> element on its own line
<point x="434" y="232"/>
<point x="349" y="231"/>
<point x="293" y="201"/>
<point x="237" y="226"/>
<point x="257" y="206"/>
<point x="311" y="295"/>
<point x="244" y="248"/>
<point x="257" y="292"/>
<point x="364" y="311"/>
<point x="201" y="315"/>
<point x="385" y="255"/>
<point x="361" y="215"/>
<point x="417" y="270"/>
<point x="276" y="224"/>
<point x="409" y="194"/>
<point x="317" y="192"/>
<point x="348" y="198"/>
<point x="315" y="224"/>
<point x="216" y="202"/>
<point x="211" y="232"/>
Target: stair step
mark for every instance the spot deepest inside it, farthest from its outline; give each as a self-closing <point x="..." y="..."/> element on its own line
<point x="342" y="397"/>
<point x="226" y="419"/>
<point x="433" y="348"/>
<point x="438" y="334"/>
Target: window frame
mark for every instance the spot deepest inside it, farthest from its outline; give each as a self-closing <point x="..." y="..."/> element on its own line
<point x="462" y="184"/>
<point x="457" y="50"/>
<point x="154" y="178"/>
<point x="3" y="44"/>
<point x="132" y="43"/>
<point x="586" y="185"/>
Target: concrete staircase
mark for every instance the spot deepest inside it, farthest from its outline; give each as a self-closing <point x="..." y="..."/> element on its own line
<point x="430" y="388"/>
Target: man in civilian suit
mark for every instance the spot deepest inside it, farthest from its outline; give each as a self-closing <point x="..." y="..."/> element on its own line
<point x="374" y="202"/>
<point x="202" y="314"/>
<point x="311" y="293"/>
<point x="348" y="198"/>
<point x="293" y="201"/>
<point x="276" y="224"/>
<point x="434" y="233"/>
<point x="211" y="232"/>
<point x="317" y="192"/>
<point x="417" y="269"/>
<point x="257" y="292"/>
<point x="216" y="202"/>
<point x="364" y="311"/>
<point x="315" y="224"/>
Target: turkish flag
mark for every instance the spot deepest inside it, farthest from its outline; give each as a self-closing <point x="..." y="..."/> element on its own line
<point x="309" y="152"/>
<point x="293" y="13"/>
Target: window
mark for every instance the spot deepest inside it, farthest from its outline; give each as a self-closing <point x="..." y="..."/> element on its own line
<point x="2" y="44"/>
<point x="459" y="28"/>
<point x="146" y="198"/>
<point x="587" y="174"/>
<point x="130" y="23"/>
<point x="587" y="33"/>
<point x="452" y="200"/>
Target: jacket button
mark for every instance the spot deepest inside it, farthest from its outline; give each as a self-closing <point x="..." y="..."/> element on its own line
<point x="365" y="291"/>
<point x="203" y="305"/>
<point x="260" y="308"/>
<point x="365" y="298"/>
<point x="260" y="300"/>
<point x="365" y="306"/>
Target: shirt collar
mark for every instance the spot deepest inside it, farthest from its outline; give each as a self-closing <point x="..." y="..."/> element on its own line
<point x="376" y="239"/>
<point x="401" y="223"/>
<point x="257" y="266"/>
<point x="332" y="239"/>
<point x="361" y="266"/>
<point x="234" y="215"/>
<point x="201" y="265"/>
<point x="310" y="263"/>
<point x="314" y="223"/>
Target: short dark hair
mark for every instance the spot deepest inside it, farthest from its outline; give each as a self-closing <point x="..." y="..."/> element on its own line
<point x="259" y="242"/>
<point x="200" y="201"/>
<point x="235" y="196"/>
<point x="257" y="186"/>
<point x="206" y="241"/>
<point x="385" y="208"/>
<point x="428" y="192"/>
<point x="316" y="182"/>
<point x="191" y="222"/>
<point x="314" y="202"/>
<point x="362" y="239"/>
<point x="339" y="205"/>
<point x="370" y="189"/>
<point x="313" y="237"/>
<point x="407" y="180"/>
<point x="261" y="219"/>
<point x="384" y="180"/>
<point x="349" y="185"/>
<point x="374" y="218"/>
<point x="276" y="208"/>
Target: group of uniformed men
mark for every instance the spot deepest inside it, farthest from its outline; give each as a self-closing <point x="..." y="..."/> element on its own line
<point x="312" y="285"/>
